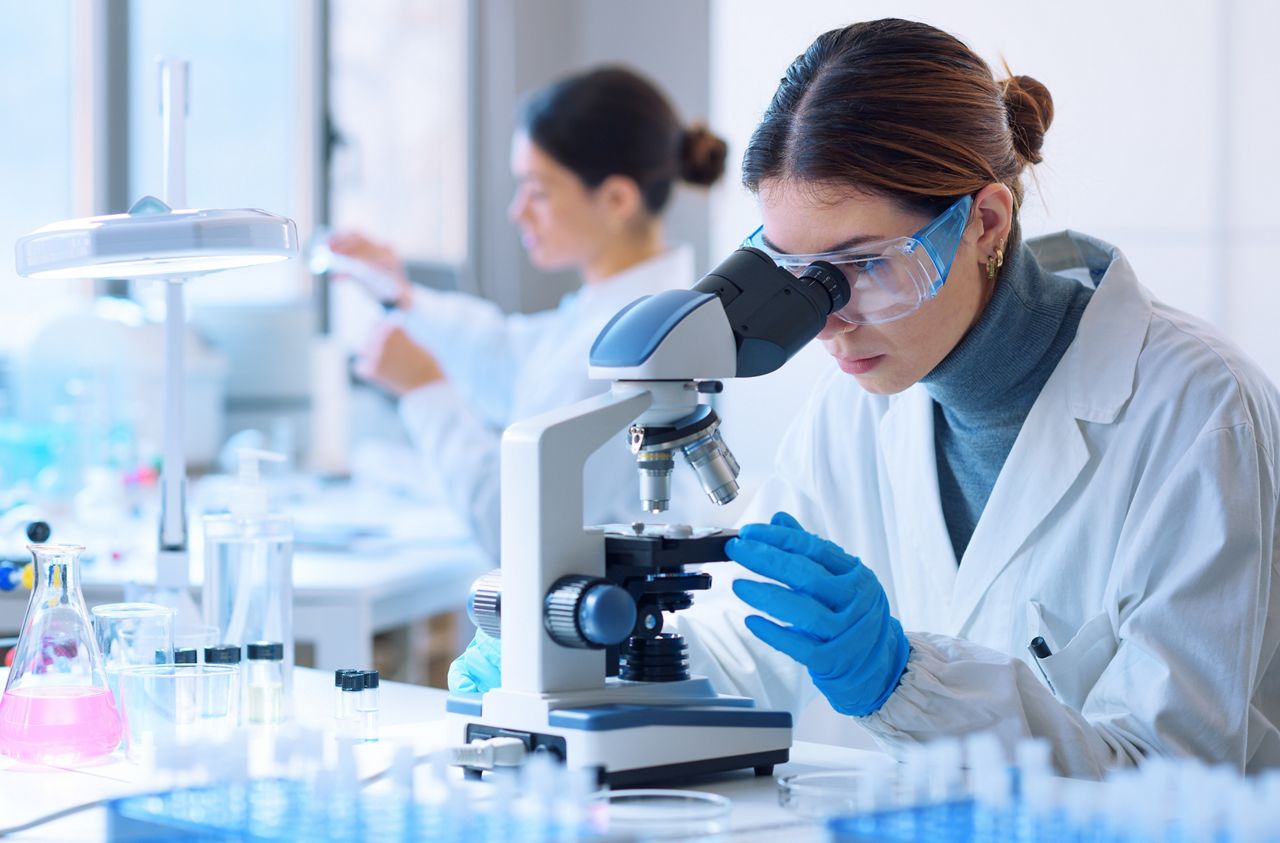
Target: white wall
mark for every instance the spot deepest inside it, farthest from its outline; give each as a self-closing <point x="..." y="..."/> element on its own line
<point x="1163" y="143"/>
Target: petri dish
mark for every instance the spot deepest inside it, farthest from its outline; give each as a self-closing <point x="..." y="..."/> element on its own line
<point x="662" y="814"/>
<point x="830" y="793"/>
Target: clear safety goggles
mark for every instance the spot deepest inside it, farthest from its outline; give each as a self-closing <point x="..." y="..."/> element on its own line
<point x="889" y="279"/>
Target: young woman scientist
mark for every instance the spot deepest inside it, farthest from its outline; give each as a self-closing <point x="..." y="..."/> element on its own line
<point x="1018" y="442"/>
<point x="595" y="159"/>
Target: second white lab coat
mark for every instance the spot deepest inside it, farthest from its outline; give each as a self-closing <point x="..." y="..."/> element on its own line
<point x="502" y="368"/>
<point x="1133" y="526"/>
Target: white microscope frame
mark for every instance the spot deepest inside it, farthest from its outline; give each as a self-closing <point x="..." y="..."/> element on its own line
<point x="543" y="538"/>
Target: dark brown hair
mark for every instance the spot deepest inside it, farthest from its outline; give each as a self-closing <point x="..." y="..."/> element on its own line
<point x="612" y="121"/>
<point x="899" y="109"/>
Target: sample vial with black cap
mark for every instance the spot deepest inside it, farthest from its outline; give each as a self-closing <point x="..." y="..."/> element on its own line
<point x="264" y="684"/>
<point x="338" y="699"/>
<point x="352" y="687"/>
<point x="186" y="693"/>
<point x="225" y="654"/>
<point x="222" y="654"/>
<point x="367" y="706"/>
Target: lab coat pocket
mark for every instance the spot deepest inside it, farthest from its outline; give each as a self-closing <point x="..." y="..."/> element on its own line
<point x="1075" y="668"/>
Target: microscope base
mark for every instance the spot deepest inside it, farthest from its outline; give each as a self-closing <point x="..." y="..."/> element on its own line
<point x="641" y="744"/>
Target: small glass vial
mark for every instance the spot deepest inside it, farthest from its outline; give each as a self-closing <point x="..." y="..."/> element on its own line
<point x="349" y="717"/>
<point x="226" y="654"/>
<point x="222" y="654"/>
<point x="186" y="690"/>
<point x="338" y="713"/>
<point x="367" y="706"/>
<point x="265" y="682"/>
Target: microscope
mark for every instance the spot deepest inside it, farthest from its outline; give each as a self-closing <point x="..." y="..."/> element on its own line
<point x="588" y="675"/>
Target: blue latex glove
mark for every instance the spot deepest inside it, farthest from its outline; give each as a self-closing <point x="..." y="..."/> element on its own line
<point x="837" y="614"/>
<point x="479" y="668"/>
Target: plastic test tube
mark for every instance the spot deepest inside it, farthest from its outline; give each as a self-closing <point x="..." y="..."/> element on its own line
<point x="185" y="655"/>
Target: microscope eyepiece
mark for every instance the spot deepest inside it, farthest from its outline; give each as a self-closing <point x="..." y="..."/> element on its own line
<point x="771" y="312"/>
<point x="829" y="276"/>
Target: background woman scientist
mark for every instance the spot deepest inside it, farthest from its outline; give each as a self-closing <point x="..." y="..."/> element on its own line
<point x="1018" y="442"/>
<point x="595" y="159"/>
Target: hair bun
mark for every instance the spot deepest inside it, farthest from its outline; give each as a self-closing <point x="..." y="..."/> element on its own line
<point x="1030" y="111"/>
<point x="702" y="156"/>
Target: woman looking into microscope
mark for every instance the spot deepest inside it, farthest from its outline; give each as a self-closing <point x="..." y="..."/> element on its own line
<point x="1061" y="493"/>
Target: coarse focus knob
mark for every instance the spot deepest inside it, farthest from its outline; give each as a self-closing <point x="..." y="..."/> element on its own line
<point x="484" y="604"/>
<point x="588" y="613"/>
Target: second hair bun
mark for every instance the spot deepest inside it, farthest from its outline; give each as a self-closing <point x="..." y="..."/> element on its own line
<point x="702" y="156"/>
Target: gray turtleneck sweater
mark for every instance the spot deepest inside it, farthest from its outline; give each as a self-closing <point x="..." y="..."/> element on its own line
<point x="985" y="387"/>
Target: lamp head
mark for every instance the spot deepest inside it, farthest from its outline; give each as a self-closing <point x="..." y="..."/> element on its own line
<point x="152" y="240"/>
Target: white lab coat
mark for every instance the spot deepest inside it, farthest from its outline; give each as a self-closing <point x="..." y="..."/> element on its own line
<point x="1133" y="526"/>
<point x="502" y="368"/>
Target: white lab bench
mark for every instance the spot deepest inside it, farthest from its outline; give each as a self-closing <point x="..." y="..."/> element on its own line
<point x="421" y="563"/>
<point x="408" y="713"/>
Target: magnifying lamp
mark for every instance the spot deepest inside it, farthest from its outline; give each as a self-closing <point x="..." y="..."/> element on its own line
<point x="162" y="240"/>
<point x="153" y="240"/>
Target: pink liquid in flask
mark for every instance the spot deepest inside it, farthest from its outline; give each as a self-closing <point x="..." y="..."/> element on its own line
<point x="58" y="724"/>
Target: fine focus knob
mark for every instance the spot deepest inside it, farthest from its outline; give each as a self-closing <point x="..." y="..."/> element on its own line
<point x="588" y="613"/>
<point x="484" y="604"/>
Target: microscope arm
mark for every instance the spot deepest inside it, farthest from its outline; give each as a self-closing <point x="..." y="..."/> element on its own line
<point x="542" y="534"/>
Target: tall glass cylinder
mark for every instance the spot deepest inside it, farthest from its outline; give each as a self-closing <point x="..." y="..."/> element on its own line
<point x="57" y="707"/>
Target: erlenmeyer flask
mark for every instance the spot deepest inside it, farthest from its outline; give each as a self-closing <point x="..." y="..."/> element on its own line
<point x="57" y="707"/>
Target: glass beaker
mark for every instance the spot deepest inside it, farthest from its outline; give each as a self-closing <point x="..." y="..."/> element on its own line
<point x="170" y="704"/>
<point x="132" y="633"/>
<point x="57" y="707"/>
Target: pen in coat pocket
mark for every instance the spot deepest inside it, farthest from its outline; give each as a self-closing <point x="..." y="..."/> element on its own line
<point x="1040" y="650"/>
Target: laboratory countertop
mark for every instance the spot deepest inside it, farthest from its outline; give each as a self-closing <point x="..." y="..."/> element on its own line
<point x="409" y="714"/>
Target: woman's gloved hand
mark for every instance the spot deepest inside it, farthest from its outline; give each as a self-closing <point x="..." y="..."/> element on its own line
<point x="479" y="668"/>
<point x="836" y="613"/>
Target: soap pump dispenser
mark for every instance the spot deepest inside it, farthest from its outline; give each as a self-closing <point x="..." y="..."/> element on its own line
<point x="248" y="570"/>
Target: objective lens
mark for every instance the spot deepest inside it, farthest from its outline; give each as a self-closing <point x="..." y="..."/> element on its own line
<point x="655" y="480"/>
<point x="715" y="465"/>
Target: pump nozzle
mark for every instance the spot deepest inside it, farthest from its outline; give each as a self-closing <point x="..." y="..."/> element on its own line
<point x="249" y="496"/>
